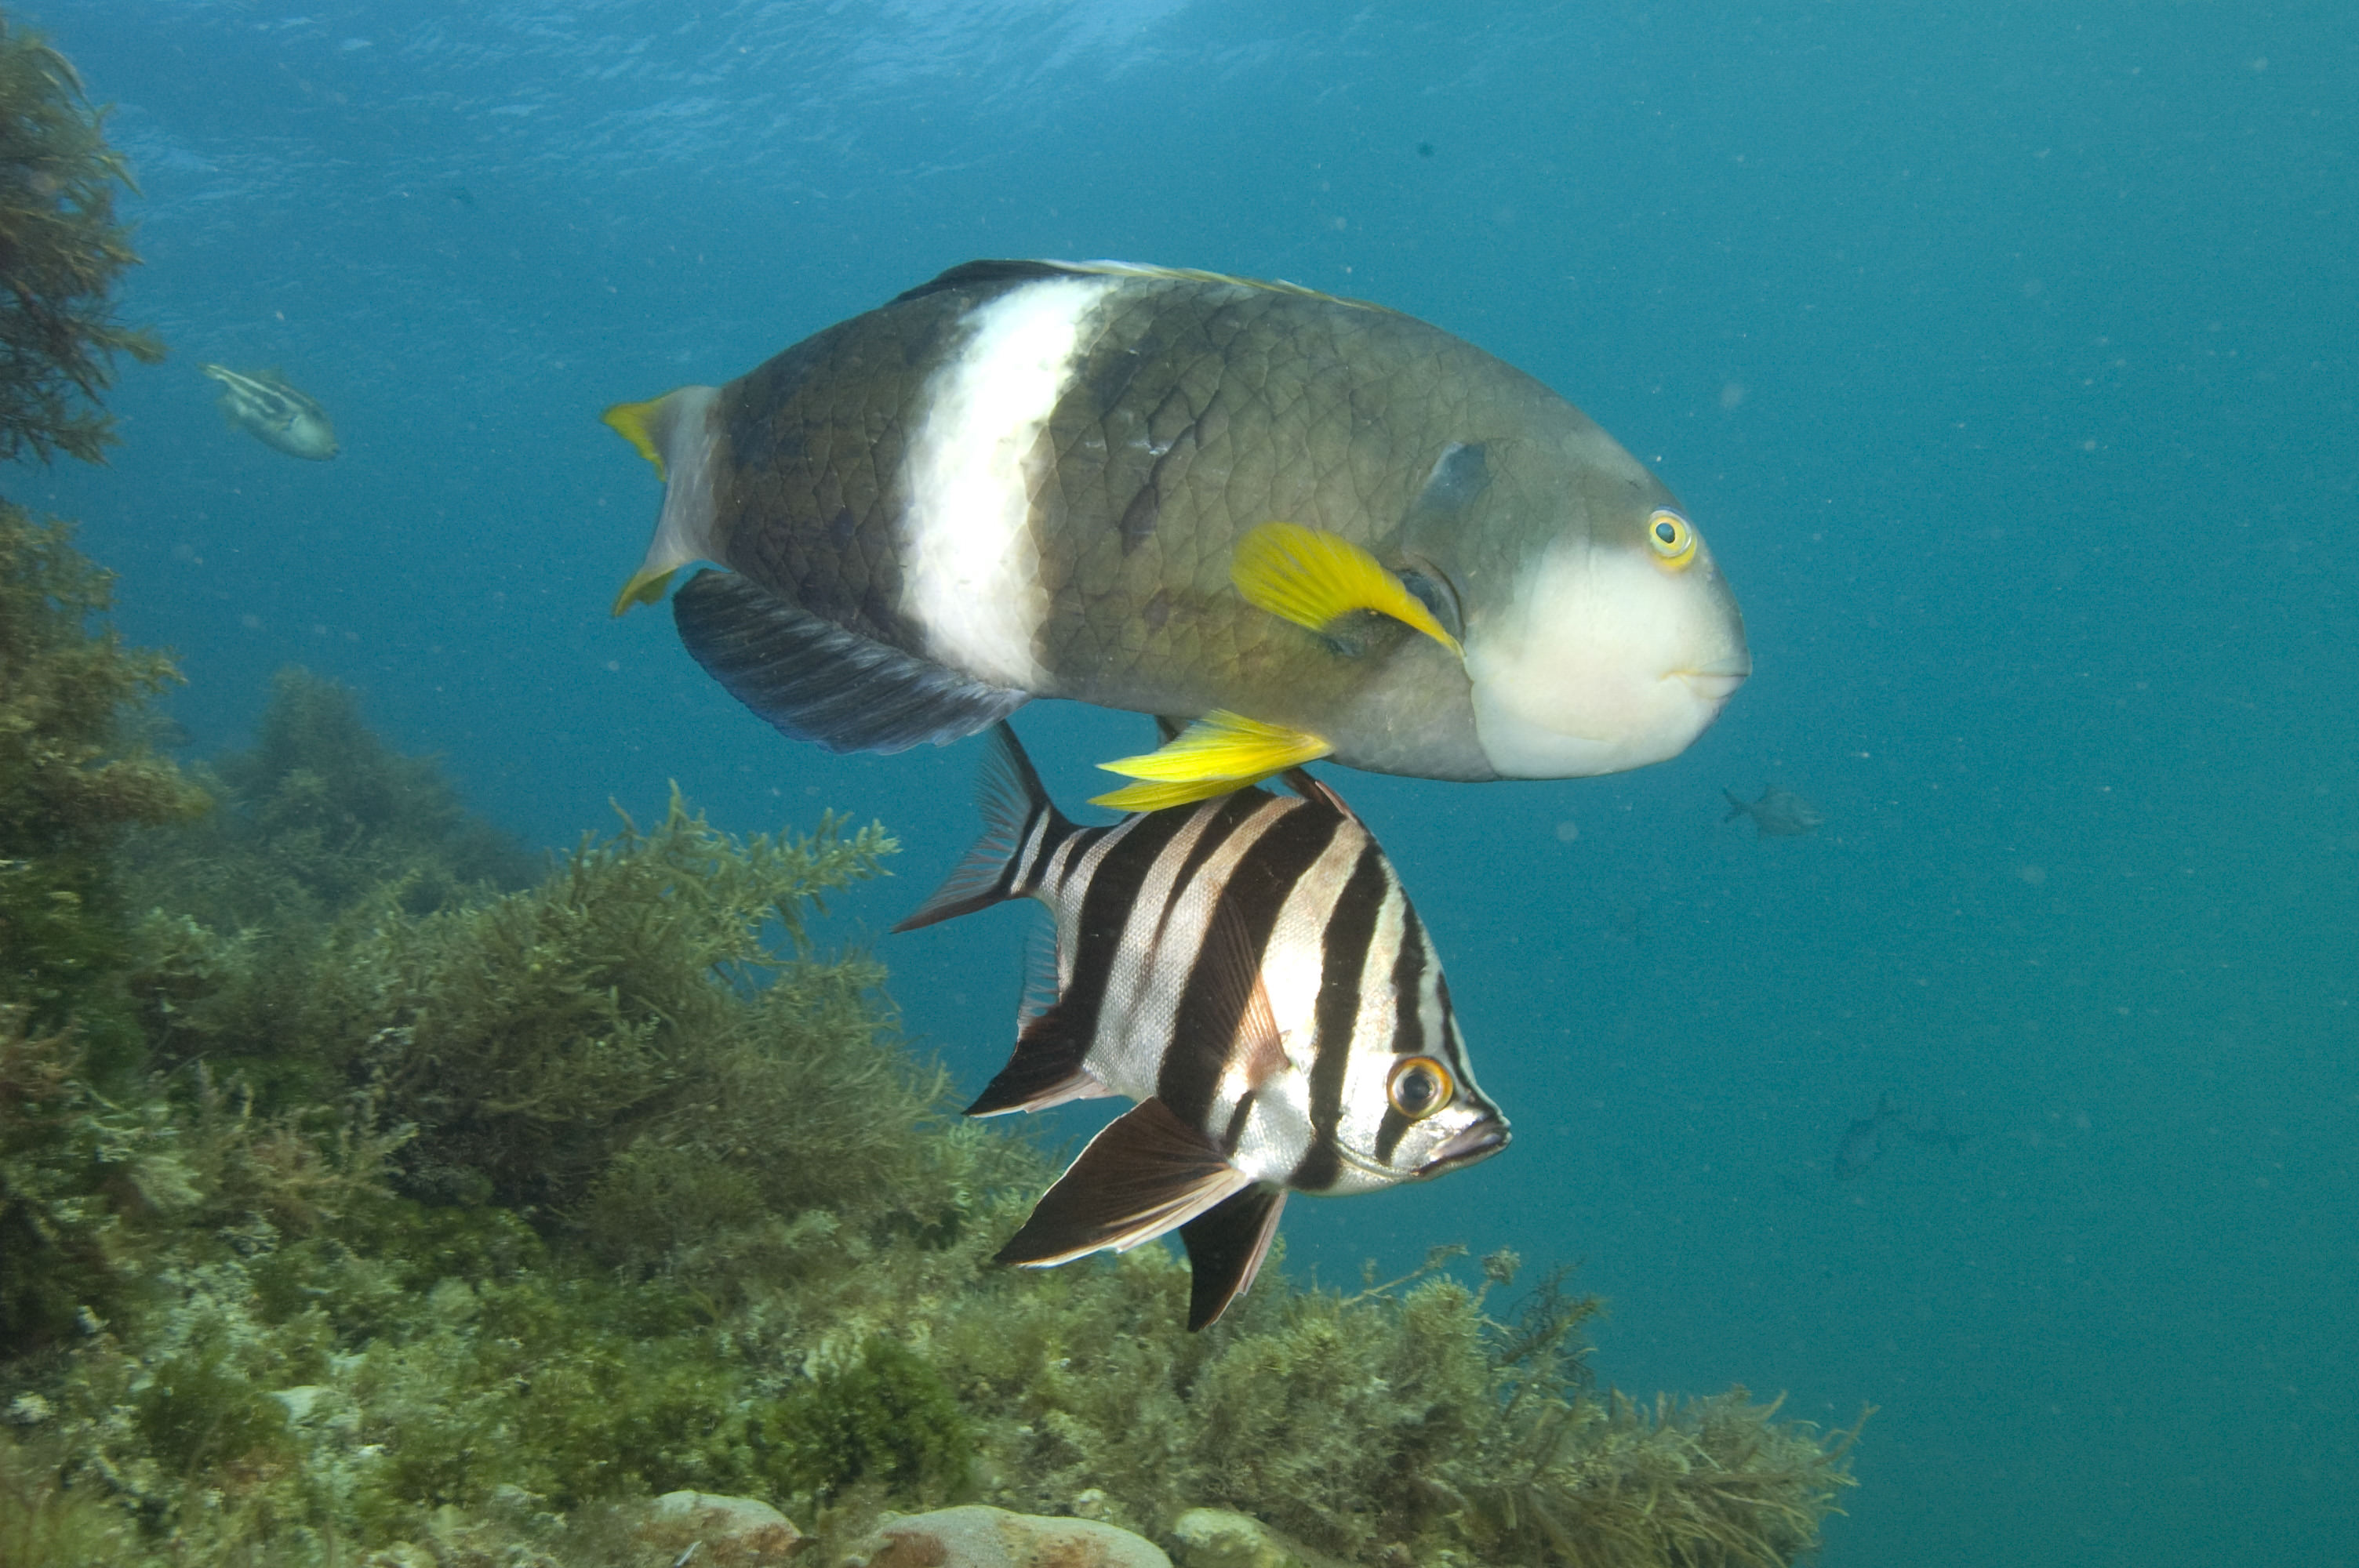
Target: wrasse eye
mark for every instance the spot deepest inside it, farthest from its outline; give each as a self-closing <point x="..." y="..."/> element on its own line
<point x="1420" y="1087"/>
<point x="1672" y="535"/>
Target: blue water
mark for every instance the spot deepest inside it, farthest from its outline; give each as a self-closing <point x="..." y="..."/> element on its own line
<point x="2004" y="353"/>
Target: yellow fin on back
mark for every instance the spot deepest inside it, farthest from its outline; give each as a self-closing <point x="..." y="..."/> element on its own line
<point x="1310" y="578"/>
<point x="632" y="421"/>
<point x="1217" y="754"/>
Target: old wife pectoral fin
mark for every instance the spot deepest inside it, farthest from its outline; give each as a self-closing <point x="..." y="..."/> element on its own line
<point x="1147" y="1172"/>
<point x="1226" y="1245"/>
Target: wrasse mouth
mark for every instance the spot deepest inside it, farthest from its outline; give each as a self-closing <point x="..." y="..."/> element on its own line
<point x="1712" y="685"/>
<point x="1479" y="1141"/>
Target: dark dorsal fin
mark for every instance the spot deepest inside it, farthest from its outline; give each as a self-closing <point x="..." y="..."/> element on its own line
<point x="967" y="273"/>
<point x="1300" y="780"/>
<point x="1226" y="1244"/>
<point x="815" y="681"/>
<point x="1147" y="1172"/>
<point x="1010" y="793"/>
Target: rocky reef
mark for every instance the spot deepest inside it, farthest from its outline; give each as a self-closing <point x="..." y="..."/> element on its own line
<point x="371" y="1193"/>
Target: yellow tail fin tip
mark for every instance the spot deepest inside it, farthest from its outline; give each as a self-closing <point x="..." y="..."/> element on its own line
<point x="644" y="588"/>
<point x="1309" y="577"/>
<point x="630" y="421"/>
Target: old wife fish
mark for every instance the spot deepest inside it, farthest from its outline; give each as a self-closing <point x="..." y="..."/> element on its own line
<point x="1249" y="971"/>
<point x="1314" y="527"/>
<point x="274" y="413"/>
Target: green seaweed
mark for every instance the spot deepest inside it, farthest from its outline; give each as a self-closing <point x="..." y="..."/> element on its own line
<point x="75" y="777"/>
<point x="883" y="1416"/>
<point x="61" y="252"/>
<point x="43" y="1523"/>
<point x="199" y="1415"/>
<point x="627" y="1004"/>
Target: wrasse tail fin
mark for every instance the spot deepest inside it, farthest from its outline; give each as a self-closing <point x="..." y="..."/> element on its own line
<point x="1310" y="578"/>
<point x="1219" y="753"/>
<point x="1147" y="1172"/>
<point x="635" y="422"/>
<point x="645" y="587"/>
<point x="815" y="681"/>
<point x="1226" y="1245"/>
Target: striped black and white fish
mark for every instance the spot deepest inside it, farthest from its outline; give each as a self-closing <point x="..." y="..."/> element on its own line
<point x="1249" y="970"/>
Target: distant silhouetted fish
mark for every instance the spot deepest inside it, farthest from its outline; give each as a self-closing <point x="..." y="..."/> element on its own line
<point x="1936" y="1137"/>
<point x="1778" y="814"/>
<point x="1862" y="1142"/>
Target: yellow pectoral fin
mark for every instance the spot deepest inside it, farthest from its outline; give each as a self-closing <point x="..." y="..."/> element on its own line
<point x="633" y="422"/>
<point x="1310" y="578"/>
<point x="1217" y="754"/>
<point x="645" y="587"/>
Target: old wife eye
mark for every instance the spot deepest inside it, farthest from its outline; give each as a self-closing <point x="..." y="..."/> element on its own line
<point x="1420" y="1087"/>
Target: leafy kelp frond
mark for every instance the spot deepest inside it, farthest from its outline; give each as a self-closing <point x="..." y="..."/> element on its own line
<point x="61" y="254"/>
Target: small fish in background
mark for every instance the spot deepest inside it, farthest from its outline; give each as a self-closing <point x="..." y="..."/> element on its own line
<point x="1247" y="969"/>
<point x="1862" y="1142"/>
<point x="274" y="413"/>
<point x="1935" y="1137"/>
<point x="1778" y="814"/>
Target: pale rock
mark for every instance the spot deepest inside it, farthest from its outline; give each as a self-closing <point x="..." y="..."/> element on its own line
<point x="728" y="1532"/>
<point x="977" y="1537"/>
<point x="400" y="1554"/>
<point x="1215" y="1538"/>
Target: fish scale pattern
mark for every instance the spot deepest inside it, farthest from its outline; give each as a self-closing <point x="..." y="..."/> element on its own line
<point x="816" y="474"/>
<point x="1202" y="410"/>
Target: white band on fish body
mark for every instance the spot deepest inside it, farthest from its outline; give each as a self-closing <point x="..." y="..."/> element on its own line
<point x="972" y="567"/>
